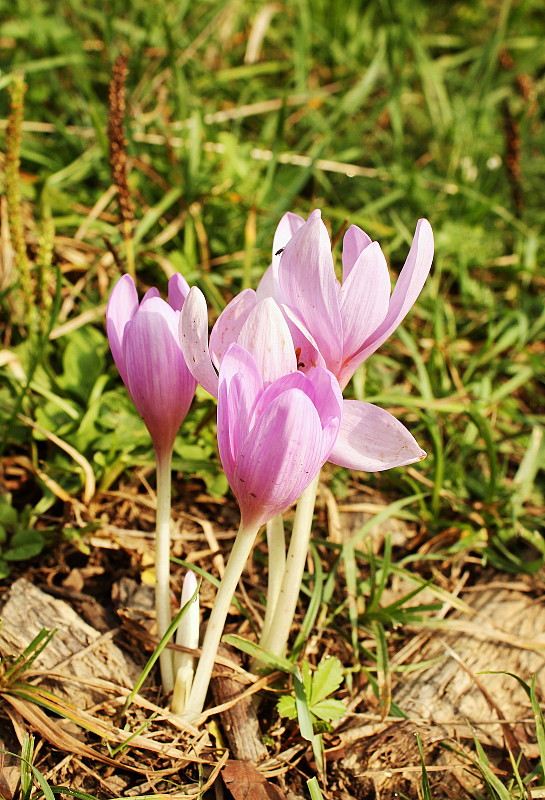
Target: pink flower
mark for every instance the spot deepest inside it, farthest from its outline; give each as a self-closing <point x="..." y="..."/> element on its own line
<point x="370" y="438"/>
<point x="145" y="346"/>
<point x="274" y="438"/>
<point x="349" y="322"/>
<point x="257" y="325"/>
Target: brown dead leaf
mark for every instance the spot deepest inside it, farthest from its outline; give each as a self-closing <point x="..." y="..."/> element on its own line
<point x="47" y="728"/>
<point x="245" y="782"/>
<point x="5" y="789"/>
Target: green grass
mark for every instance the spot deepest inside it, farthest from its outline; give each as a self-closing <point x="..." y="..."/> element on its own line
<point x="418" y="97"/>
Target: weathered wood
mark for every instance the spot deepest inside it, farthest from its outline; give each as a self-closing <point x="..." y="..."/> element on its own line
<point x="450" y="700"/>
<point x="239" y="723"/>
<point x="76" y="648"/>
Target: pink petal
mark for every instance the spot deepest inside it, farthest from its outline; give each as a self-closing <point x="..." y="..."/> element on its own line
<point x="122" y="306"/>
<point x="240" y="386"/>
<point x="233" y="423"/>
<point x="364" y="298"/>
<point x="268" y="285"/>
<point x="308" y="283"/>
<point x="281" y="455"/>
<point x="408" y="287"/>
<point x="158" y="380"/>
<point x="178" y="289"/>
<point x="354" y="242"/>
<point x="288" y="225"/>
<point x="322" y="388"/>
<point x="326" y="395"/>
<point x="193" y="335"/>
<point x="295" y="380"/>
<point x="266" y="335"/>
<point x="371" y="439"/>
<point x="306" y="350"/>
<point x="229" y="324"/>
<point x="153" y="291"/>
<point x="238" y="361"/>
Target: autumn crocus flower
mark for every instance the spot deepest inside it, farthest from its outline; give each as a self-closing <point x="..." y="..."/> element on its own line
<point x="370" y="439"/>
<point x="347" y="322"/>
<point x="145" y="345"/>
<point x="273" y="439"/>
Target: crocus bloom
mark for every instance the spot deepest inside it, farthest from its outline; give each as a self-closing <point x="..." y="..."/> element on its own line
<point x="273" y="439"/>
<point x="370" y="439"/>
<point x="349" y="322"/>
<point x="145" y="345"/>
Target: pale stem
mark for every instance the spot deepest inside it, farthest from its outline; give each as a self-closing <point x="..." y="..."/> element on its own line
<point x="235" y="566"/>
<point x="162" y="564"/>
<point x="277" y="637"/>
<point x="276" y="546"/>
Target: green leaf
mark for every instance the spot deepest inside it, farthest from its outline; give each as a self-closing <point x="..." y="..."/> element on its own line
<point x="303" y="712"/>
<point x="8" y="515"/>
<point x="328" y="710"/>
<point x="286" y="706"/>
<point x="259" y="654"/>
<point x="24" y="544"/>
<point x="83" y="361"/>
<point x="326" y="679"/>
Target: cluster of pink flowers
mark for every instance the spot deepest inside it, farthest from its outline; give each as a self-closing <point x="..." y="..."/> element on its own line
<point x="277" y="359"/>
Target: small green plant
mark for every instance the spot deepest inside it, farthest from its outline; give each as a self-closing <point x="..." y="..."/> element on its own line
<point x="318" y="685"/>
<point x="19" y="540"/>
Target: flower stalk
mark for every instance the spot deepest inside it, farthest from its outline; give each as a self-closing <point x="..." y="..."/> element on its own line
<point x="162" y="564"/>
<point x="237" y="560"/>
<point x="276" y="637"/>
<point x="276" y="545"/>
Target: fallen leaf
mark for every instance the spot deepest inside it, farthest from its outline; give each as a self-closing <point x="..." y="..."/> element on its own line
<point x="245" y="782"/>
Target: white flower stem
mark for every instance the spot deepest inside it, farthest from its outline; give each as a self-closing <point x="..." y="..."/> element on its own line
<point x="276" y="545"/>
<point x="237" y="561"/>
<point x="162" y="564"/>
<point x="276" y="638"/>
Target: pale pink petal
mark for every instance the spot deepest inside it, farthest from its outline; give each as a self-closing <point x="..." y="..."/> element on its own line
<point x="306" y="350"/>
<point x="158" y="380"/>
<point x="122" y="306"/>
<point x="408" y="287"/>
<point x="288" y="225"/>
<point x="153" y="291"/>
<point x="280" y="457"/>
<point x="269" y="285"/>
<point x="223" y="431"/>
<point x="233" y="423"/>
<point x="229" y="323"/>
<point x="237" y="361"/>
<point x="178" y="289"/>
<point x="266" y="335"/>
<point x="322" y="388"/>
<point x="364" y="298"/>
<point x="295" y="380"/>
<point x="326" y="395"/>
<point x="193" y="335"/>
<point x="371" y="439"/>
<point x="240" y="386"/>
<point x="311" y="290"/>
<point x="354" y="243"/>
